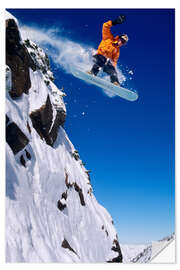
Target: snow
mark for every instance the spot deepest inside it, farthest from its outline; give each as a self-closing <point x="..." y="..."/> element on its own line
<point x="166" y="255"/>
<point x="163" y="251"/>
<point x="38" y="88"/>
<point x="143" y="257"/>
<point x="35" y="227"/>
<point x="131" y="72"/>
<point x="10" y="16"/>
<point x="131" y="251"/>
<point x="157" y="251"/>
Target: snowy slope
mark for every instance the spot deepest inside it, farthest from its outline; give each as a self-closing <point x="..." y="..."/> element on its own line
<point x="51" y="212"/>
<point x="144" y="256"/>
<point x="163" y="251"/>
<point x="151" y="251"/>
<point x="35" y="226"/>
<point x="131" y="251"/>
<point x="167" y="254"/>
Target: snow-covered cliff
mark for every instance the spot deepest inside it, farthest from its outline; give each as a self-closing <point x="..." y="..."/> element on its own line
<point x="51" y="212"/>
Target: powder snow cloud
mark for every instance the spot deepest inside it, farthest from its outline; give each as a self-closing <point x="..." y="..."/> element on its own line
<point x="64" y="52"/>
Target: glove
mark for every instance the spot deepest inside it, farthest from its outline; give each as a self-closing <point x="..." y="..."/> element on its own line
<point x="119" y="20"/>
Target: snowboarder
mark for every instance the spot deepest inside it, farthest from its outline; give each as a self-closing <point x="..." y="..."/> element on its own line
<point x="108" y="51"/>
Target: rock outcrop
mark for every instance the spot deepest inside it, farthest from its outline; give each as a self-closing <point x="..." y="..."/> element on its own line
<point x="16" y="139"/>
<point x="18" y="59"/>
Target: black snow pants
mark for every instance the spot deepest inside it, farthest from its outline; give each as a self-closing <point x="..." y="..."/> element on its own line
<point x="101" y="61"/>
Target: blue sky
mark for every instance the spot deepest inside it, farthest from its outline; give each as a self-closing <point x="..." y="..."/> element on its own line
<point x="129" y="146"/>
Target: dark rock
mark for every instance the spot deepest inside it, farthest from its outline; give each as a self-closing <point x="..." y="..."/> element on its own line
<point x="22" y="160"/>
<point x="28" y="155"/>
<point x="90" y="191"/>
<point x="47" y="82"/>
<point x="88" y="174"/>
<point x="59" y="121"/>
<point x="76" y="187"/>
<point x="116" y="260"/>
<point x="69" y="185"/>
<point x="116" y="248"/>
<point x="61" y="205"/>
<point x="81" y="196"/>
<point x="65" y="244"/>
<point x="64" y="195"/>
<point x="7" y="120"/>
<point x="75" y="154"/>
<point x="28" y="127"/>
<point x="16" y="139"/>
<point x="18" y="59"/>
<point x="42" y="122"/>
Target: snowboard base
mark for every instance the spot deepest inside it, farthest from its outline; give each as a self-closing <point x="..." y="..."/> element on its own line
<point x="116" y="90"/>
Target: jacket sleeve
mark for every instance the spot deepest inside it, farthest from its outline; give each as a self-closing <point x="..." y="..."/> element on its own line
<point x="115" y="59"/>
<point x="106" y="30"/>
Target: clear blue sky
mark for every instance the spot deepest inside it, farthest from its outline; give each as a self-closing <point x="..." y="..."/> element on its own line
<point x="129" y="146"/>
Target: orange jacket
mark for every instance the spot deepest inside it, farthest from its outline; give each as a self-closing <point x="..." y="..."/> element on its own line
<point x="108" y="46"/>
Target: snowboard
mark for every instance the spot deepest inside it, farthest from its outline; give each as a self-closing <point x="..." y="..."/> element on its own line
<point x="117" y="90"/>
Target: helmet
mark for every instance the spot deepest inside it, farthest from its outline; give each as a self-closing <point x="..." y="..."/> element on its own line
<point x="124" y="38"/>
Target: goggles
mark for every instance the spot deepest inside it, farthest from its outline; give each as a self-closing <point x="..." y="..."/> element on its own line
<point x="123" y="40"/>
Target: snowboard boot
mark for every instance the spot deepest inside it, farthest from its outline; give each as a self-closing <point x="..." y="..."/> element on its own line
<point x="116" y="83"/>
<point x="90" y="72"/>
